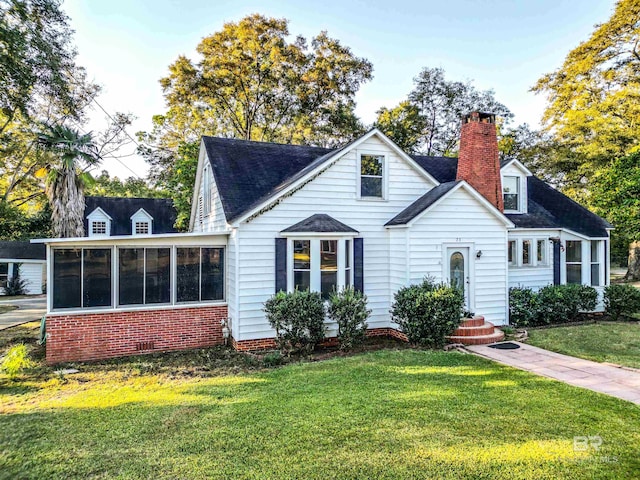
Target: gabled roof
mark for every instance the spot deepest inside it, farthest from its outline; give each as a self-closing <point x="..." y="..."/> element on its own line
<point x="549" y="208"/>
<point x="249" y="173"/>
<point x="121" y="210"/>
<point x="421" y="204"/>
<point x="433" y="196"/>
<point x="22" y="251"/>
<point x="320" y="223"/>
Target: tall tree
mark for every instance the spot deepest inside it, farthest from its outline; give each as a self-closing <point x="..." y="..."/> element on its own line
<point x="429" y="121"/>
<point x="36" y="56"/>
<point x="73" y="153"/>
<point x="593" y="106"/>
<point x="594" y="98"/>
<point x="104" y="185"/>
<point x="251" y="82"/>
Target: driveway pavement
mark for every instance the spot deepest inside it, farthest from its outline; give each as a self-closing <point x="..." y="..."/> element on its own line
<point x="29" y="309"/>
<point x="607" y="379"/>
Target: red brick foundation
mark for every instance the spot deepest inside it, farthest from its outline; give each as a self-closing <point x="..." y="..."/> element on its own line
<point x="96" y="336"/>
<point x="270" y="343"/>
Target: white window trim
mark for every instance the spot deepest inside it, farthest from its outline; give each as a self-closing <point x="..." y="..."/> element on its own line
<point x="521" y="193"/>
<point x="385" y="176"/>
<point x="533" y="253"/>
<point x="315" y="282"/>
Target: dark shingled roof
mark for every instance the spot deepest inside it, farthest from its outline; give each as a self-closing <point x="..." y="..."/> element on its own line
<point x="549" y="208"/>
<point x="121" y="209"/>
<point x="23" y="250"/>
<point x="319" y="223"/>
<point x="421" y="204"/>
<point x="248" y="173"/>
<point x="443" y="169"/>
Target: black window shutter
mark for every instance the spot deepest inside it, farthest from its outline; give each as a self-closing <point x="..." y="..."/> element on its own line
<point x="281" y="264"/>
<point x="358" y="265"/>
<point x="556" y="262"/>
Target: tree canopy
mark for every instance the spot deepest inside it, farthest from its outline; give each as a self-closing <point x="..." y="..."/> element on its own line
<point x="429" y="120"/>
<point x="252" y="82"/>
<point x="594" y="98"/>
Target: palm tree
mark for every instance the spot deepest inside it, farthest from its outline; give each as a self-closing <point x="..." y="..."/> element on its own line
<point x="72" y="154"/>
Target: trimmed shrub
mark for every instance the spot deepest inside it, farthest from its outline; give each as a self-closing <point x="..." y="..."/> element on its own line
<point x="348" y="308"/>
<point x="298" y="319"/>
<point x="621" y="300"/>
<point x="16" y="285"/>
<point x="523" y="307"/>
<point x="429" y="312"/>
<point x="16" y="361"/>
<point x="552" y="304"/>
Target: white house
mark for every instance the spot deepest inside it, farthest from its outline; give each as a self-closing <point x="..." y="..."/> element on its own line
<point x="27" y="259"/>
<point x="269" y="217"/>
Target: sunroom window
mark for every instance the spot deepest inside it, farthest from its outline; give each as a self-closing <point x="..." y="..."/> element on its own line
<point x="81" y="278"/>
<point x="372" y="176"/>
<point x="574" y="261"/>
<point x="595" y="263"/>
<point x="199" y="274"/>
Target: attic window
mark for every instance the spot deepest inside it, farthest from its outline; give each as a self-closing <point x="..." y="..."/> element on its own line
<point x="142" y="228"/>
<point x="372" y="176"/>
<point x="511" y="193"/>
<point x="206" y="191"/>
<point x="98" y="228"/>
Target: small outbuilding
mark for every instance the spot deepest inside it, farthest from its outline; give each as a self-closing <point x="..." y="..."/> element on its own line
<point x="30" y="259"/>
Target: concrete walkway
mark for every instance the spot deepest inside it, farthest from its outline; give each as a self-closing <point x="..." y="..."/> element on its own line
<point x="29" y="309"/>
<point x="607" y="379"/>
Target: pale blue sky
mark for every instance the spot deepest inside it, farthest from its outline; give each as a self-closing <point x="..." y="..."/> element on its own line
<point x="127" y="45"/>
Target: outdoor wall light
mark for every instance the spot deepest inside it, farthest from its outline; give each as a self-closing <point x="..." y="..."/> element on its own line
<point x="478" y="253"/>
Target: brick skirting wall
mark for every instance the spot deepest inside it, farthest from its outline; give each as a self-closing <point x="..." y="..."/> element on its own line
<point x="270" y="343"/>
<point x="96" y="336"/>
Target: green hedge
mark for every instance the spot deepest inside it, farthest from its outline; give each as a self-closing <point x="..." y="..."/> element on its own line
<point x="551" y="304"/>
<point x="621" y="300"/>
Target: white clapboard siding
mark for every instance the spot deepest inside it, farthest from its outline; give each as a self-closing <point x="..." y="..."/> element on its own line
<point x="230" y="278"/>
<point x="461" y="219"/>
<point x="333" y="193"/>
<point x="30" y="271"/>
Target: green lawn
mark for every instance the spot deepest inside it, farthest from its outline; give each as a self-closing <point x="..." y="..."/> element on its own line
<point x="386" y="414"/>
<point x="617" y="342"/>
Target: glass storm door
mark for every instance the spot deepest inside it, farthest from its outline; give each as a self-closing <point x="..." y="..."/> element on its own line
<point x="458" y="271"/>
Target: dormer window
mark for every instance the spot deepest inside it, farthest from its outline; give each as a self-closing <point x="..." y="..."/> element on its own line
<point x="511" y="193"/>
<point x="98" y="223"/>
<point x="372" y="176"/>
<point x="98" y="227"/>
<point x="141" y="223"/>
<point x="142" y="228"/>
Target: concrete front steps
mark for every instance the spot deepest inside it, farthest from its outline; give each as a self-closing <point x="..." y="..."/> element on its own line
<point x="475" y="331"/>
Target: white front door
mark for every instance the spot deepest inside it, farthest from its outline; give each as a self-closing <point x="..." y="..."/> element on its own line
<point x="458" y="273"/>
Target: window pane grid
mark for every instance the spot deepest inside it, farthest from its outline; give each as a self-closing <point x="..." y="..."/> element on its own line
<point x="99" y="228"/>
<point x="371" y="175"/>
<point x="574" y="261"/>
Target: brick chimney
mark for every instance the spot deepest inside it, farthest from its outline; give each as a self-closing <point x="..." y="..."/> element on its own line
<point x="478" y="160"/>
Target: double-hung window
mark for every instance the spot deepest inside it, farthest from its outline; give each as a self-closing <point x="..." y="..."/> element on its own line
<point x="526" y="252"/>
<point x="511" y="193"/>
<point x="574" y="261"/>
<point x="512" y="251"/>
<point x="372" y="176"/>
